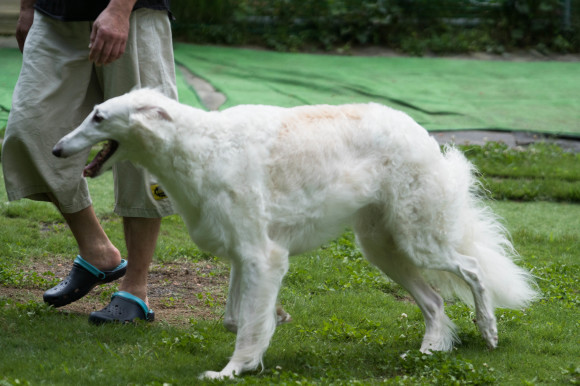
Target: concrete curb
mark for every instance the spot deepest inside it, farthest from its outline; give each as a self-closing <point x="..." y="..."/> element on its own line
<point x="512" y="139"/>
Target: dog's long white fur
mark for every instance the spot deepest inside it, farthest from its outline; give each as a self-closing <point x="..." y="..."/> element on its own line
<point x="256" y="184"/>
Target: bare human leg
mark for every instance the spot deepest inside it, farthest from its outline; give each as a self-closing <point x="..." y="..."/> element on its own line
<point x="141" y="238"/>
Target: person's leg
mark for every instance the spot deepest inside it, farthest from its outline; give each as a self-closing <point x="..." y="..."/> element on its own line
<point x="98" y="262"/>
<point x="147" y="62"/>
<point x="94" y="245"/>
<point x="141" y="238"/>
<point x="56" y="89"/>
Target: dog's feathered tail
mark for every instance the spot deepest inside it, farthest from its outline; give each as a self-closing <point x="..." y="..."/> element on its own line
<point x="485" y="239"/>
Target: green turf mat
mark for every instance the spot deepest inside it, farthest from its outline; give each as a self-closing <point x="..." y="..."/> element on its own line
<point x="10" y="62"/>
<point x="185" y="91"/>
<point x="441" y="94"/>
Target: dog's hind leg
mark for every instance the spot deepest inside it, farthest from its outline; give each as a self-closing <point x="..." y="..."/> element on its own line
<point x="380" y="250"/>
<point x="468" y="269"/>
<point x="261" y="275"/>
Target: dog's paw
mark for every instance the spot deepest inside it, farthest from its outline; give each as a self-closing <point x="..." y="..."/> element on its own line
<point x="282" y="316"/>
<point x="491" y="339"/>
<point x="488" y="330"/>
<point x="230" y="371"/>
<point x="216" y="375"/>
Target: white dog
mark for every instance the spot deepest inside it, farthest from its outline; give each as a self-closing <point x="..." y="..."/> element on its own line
<point x="256" y="184"/>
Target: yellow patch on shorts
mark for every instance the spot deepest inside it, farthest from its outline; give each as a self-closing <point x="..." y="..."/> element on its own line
<point x="158" y="193"/>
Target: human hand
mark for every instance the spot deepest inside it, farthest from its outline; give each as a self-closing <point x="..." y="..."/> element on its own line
<point x="24" y="23"/>
<point x="110" y="33"/>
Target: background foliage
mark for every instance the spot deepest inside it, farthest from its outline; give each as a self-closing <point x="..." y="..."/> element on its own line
<point x="414" y="26"/>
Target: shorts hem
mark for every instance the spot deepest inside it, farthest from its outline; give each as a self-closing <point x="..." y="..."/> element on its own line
<point x="145" y="213"/>
<point x="37" y="191"/>
<point x="40" y="193"/>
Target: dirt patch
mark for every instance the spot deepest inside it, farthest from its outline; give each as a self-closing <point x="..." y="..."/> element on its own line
<point x="178" y="291"/>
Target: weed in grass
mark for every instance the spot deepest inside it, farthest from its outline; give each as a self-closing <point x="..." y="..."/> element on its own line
<point x="552" y="258"/>
<point x="169" y="302"/>
<point x="410" y="328"/>
<point x="108" y="291"/>
<point x="27" y="310"/>
<point x="207" y="299"/>
<point x="572" y="373"/>
<point x="511" y="318"/>
<point x="173" y="252"/>
<point x="559" y="283"/>
<point x="6" y="381"/>
<point x="355" y="271"/>
<point x="191" y="342"/>
<point x="336" y="329"/>
<point x="442" y="368"/>
<point x="12" y="276"/>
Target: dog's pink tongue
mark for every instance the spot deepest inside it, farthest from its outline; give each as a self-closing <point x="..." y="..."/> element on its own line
<point x="91" y="169"/>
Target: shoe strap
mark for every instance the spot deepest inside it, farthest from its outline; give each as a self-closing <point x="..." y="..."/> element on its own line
<point x="128" y="296"/>
<point x="95" y="271"/>
<point x="89" y="267"/>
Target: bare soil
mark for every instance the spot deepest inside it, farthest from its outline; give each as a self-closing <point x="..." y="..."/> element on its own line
<point x="177" y="291"/>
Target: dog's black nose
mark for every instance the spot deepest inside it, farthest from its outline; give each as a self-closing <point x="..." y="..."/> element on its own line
<point x="57" y="151"/>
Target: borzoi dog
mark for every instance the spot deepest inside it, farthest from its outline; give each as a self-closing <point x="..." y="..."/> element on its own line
<point x="256" y="184"/>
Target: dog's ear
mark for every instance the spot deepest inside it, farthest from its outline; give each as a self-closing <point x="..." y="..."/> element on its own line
<point x="155" y="113"/>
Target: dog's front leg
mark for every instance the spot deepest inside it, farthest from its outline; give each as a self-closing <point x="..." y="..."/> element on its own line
<point x="260" y="280"/>
<point x="233" y="302"/>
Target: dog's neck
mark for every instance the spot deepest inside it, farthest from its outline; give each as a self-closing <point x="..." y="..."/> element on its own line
<point x="162" y="152"/>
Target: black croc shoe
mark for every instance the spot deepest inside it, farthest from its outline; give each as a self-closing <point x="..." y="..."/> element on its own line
<point x="82" y="278"/>
<point x="123" y="308"/>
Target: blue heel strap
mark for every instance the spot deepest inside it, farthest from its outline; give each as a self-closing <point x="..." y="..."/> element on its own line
<point x="95" y="271"/>
<point x="128" y="296"/>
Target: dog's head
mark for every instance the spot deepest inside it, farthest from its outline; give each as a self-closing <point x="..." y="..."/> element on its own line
<point x="117" y="122"/>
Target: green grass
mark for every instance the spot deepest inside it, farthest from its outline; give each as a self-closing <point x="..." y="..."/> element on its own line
<point x="539" y="172"/>
<point x="350" y="324"/>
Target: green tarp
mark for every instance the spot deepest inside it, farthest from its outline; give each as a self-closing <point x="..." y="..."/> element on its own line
<point x="441" y="94"/>
<point x="10" y="61"/>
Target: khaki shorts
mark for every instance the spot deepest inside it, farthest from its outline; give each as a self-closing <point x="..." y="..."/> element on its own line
<point x="58" y="88"/>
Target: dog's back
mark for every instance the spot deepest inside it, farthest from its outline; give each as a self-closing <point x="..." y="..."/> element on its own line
<point x="319" y="165"/>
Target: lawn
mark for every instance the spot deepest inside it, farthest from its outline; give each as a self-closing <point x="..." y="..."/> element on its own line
<point x="350" y="324"/>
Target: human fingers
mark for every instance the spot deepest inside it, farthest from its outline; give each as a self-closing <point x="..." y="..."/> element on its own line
<point x="20" y="39"/>
<point x="23" y="25"/>
<point x="95" y="45"/>
<point x="107" y="43"/>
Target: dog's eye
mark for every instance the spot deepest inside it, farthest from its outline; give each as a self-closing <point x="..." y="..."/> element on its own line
<point x="97" y="118"/>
